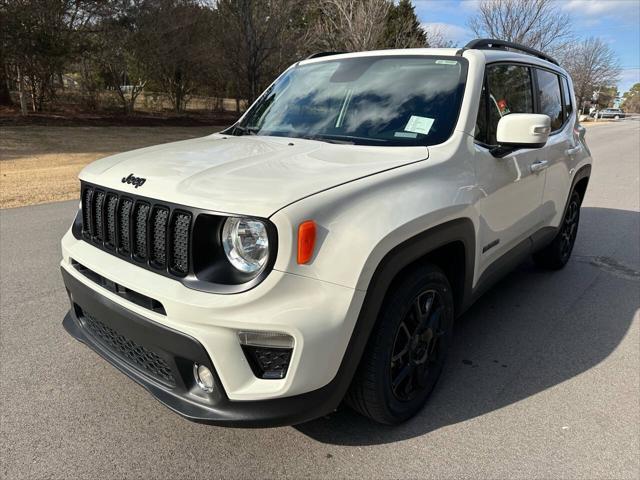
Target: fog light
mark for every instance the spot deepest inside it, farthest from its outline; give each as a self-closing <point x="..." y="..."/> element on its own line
<point x="204" y="377"/>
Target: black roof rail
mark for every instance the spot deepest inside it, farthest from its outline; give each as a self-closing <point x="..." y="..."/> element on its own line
<point x="489" y="43"/>
<point x="323" y="54"/>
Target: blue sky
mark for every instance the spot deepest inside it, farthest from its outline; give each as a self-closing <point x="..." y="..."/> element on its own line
<point x="615" y="21"/>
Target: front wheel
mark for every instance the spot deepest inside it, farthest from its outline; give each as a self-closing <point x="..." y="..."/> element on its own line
<point x="406" y="350"/>
<point x="556" y="255"/>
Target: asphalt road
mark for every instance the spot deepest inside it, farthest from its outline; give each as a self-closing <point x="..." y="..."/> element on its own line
<point x="543" y="380"/>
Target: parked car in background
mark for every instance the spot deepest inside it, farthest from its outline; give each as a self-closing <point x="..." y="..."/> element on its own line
<point x="615" y="113"/>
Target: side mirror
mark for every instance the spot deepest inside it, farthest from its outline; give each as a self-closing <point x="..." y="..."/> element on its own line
<point x="523" y="130"/>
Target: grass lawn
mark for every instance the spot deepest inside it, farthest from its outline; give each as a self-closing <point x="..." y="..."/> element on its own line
<point x="40" y="164"/>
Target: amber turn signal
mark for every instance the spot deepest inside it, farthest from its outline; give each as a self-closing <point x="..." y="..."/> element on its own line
<point x="306" y="241"/>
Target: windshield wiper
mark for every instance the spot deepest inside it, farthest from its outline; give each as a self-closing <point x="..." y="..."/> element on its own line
<point x="244" y="130"/>
<point x="344" y="139"/>
<point x="328" y="139"/>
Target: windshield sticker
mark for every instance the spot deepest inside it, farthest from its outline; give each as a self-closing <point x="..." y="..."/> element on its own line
<point x="502" y="106"/>
<point x="405" y="134"/>
<point x="418" y="124"/>
<point x="446" y="62"/>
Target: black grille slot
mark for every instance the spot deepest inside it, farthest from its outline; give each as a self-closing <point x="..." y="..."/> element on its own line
<point x="120" y="290"/>
<point x="110" y="218"/>
<point x="180" y="226"/>
<point x="124" y="233"/>
<point x="140" y="216"/>
<point x="87" y="200"/>
<point x="134" y="354"/>
<point x="159" y="221"/>
<point x="98" y="207"/>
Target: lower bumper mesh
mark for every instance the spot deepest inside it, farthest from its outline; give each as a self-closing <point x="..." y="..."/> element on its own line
<point x="129" y="351"/>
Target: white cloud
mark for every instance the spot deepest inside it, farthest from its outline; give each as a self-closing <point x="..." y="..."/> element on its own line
<point x="592" y="12"/>
<point x="470" y="5"/>
<point x="456" y="33"/>
<point x="598" y="7"/>
<point x="628" y="78"/>
<point x="436" y="5"/>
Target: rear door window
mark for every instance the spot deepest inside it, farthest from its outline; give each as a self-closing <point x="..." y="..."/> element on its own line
<point x="550" y="98"/>
<point x="508" y="89"/>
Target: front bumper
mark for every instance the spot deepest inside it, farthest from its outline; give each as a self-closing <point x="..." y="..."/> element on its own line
<point x="162" y="363"/>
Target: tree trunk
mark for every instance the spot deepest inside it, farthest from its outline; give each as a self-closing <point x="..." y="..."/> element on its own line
<point x="5" y="95"/>
<point x="177" y="78"/>
<point x="23" y="100"/>
<point x="34" y="94"/>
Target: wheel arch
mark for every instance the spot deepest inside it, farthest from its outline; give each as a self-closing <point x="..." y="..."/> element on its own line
<point x="450" y="246"/>
<point x="438" y="245"/>
<point x="581" y="181"/>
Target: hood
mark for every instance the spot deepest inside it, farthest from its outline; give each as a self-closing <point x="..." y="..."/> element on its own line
<point x="247" y="175"/>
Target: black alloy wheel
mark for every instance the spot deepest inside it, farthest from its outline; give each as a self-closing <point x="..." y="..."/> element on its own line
<point x="569" y="228"/>
<point x="407" y="347"/>
<point x="416" y="349"/>
<point x="556" y="255"/>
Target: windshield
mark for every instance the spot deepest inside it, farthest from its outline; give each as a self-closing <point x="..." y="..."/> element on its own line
<point x="388" y="100"/>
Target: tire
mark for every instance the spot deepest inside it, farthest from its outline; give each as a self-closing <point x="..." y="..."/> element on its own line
<point x="406" y="351"/>
<point x="617" y="117"/>
<point x="556" y="255"/>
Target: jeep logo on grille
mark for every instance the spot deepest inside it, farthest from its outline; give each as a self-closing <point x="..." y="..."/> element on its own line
<point x="135" y="181"/>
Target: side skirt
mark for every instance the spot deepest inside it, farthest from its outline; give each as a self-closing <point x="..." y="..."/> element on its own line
<point x="511" y="260"/>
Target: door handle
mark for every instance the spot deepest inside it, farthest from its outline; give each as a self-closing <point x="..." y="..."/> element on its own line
<point x="538" y="166"/>
<point x="574" y="150"/>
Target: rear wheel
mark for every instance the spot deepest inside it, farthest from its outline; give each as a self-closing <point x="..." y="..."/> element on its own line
<point x="406" y="350"/>
<point x="556" y="255"/>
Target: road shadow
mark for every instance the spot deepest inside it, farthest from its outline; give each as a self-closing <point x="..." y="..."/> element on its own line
<point x="530" y="332"/>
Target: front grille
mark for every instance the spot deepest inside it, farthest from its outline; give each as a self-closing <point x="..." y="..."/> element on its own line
<point x="124" y="232"/>
<point x="140" y="215"/>
<point x="143" y="231"/>
<point x="98" y="210"/>
<point x="159" y="221"/>
<point x="180" y="241"/>
<point x="87" y="199"/>
<point x="110" y="218"/>
<point x="131" y="352"/>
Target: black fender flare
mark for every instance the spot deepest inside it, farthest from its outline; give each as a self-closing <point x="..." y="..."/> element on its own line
<point x="584" y="172"/>
<point x="403" y="255"/>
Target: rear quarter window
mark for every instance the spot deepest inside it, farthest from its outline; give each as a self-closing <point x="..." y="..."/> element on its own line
<point x="566" y="98"/>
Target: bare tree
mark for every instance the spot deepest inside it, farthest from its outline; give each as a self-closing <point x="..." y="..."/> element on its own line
<point x="253" y="35"/>
<point x="39" y="39"/>
<point x="121" y="55"/>
<point x="593" y="65"/>
<point x="175" y="39"/>
<point x="351" y="25"/>
<point x="436" y="38"/>
<point x="538" y="24"/>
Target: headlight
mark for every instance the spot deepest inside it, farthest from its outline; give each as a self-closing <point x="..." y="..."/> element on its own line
<point x="245" y="243"/>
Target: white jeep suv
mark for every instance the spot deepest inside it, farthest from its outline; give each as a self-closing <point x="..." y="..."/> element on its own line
<point x="320" y="249"/>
